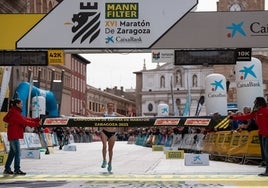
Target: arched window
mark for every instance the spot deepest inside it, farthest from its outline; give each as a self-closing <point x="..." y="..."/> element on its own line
<point x="150" y="107"/>
<point x="178" y="78"/>
<point x="194" y="80"/>
<point x="162" y="82"/>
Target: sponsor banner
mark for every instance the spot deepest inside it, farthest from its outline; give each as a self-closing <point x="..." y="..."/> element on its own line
<point x="163" y="56"/>
<point x="55" y="121"/>
<point x="171" y="154"/>
<point x="105" y="24"/>
<point x="205" y="121"/>
<point x="197" y="122"/>
<point x="5" y="140"/>
<point x="167" y="121"/>
<point x="157" y="148"/>
<point x="196" y="159"/>
<point x="69" y="147"/>
<point x="23" y="144"/>
<point x="32" y="140"/>
<point x="3" y="158"/>
<point x="30" y="154"/>
<point x="2" y="144"/>
<point x="230" y="29"/>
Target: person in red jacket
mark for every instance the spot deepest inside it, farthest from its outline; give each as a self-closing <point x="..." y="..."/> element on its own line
<point x="15" y="131"/>
<point x="260" y="114"/>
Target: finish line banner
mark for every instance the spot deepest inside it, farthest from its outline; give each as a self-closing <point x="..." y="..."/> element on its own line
<point x="205" y="121"/>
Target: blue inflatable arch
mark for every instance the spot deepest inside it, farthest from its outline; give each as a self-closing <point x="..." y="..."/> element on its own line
<point x="22" y="92"/>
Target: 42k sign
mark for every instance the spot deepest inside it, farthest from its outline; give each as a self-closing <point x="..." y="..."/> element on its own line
<point x="87" y="24"/>
<point x="55" y="57"/>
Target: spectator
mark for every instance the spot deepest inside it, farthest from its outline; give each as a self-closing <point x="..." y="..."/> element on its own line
<point x="60" y="136"/>
<point x="15" y="130"/>
<point x="260" y="114"/>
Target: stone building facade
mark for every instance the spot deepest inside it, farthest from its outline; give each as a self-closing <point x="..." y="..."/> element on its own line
<point x="151" y="92"/>
<point x="240" y="5"/>
<point x="153" y="87"/>
<point x="75" y="98"/>
<point x="98" y="99"/>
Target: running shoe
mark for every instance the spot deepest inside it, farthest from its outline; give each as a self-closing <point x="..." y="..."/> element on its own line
<point x="262" y="164"/>
<point x="19" y="172"/>
<point x="109" y="167"/>
<point x="104" y="163"/>
<point x="263" y="174"/>
<point x="8" y="172"/>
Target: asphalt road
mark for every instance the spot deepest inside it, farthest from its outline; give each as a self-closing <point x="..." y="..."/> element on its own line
<point x="133" y="166"/>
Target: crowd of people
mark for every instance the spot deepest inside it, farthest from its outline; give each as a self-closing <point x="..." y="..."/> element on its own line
<point x="240" y="125"/>
<point x="255" y="119"/>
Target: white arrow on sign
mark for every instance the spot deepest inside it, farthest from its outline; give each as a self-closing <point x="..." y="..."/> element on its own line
<point x="87" y="24"/>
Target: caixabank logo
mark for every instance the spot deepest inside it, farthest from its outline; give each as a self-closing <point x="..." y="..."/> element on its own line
<point x="217" y="89"/>
<point x="217" y="85"/>
<point x="86" y="23"/>
<point x="236" y="28"/>
<point x="253" y="29"/>
<point x="247" y="71"/>
<point x="248" y="77"/>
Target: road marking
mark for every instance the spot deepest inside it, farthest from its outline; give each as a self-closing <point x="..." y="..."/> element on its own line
<point x="248" y="179"/>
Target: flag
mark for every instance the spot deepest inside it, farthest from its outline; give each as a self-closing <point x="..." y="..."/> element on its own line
<point x="186" y="110"/>
<point x="174" y="105"/>
<point x="199" y="105"/>
<point x="4" y="85"/>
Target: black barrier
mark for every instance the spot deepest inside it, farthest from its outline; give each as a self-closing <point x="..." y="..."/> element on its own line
<point x="200" y="121"/>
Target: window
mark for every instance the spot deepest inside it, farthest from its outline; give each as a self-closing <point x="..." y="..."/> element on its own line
<point x="150" y="107"/>
<point x="194" y="80"/>
<point x="162" y="82"/>
<point x="178" y="81"/>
